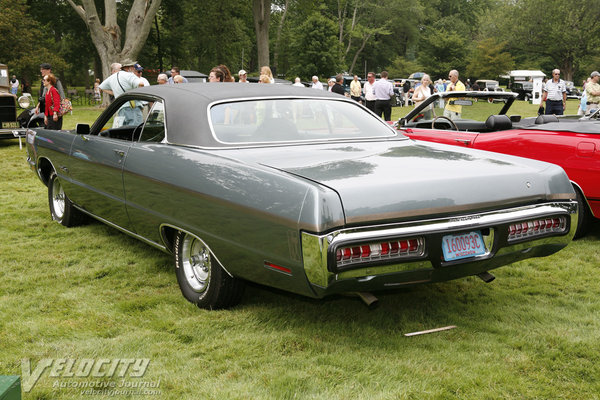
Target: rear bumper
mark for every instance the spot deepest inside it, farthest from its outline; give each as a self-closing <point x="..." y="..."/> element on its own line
<point x="325" y="278"/>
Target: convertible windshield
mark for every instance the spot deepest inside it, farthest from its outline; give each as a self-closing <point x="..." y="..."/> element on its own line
<point x="277" y="120"/>
<point x="460" y="108"/>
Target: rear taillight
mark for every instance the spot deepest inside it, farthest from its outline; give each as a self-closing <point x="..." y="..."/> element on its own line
<point x="537" y="227"/>
<point x="380" y="251"/>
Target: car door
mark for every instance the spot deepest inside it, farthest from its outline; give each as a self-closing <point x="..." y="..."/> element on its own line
<point x="97" y="160"/>
<point x="148" y="196"/>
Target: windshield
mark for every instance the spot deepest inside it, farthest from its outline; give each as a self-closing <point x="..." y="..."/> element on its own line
<point x="461" y="108"/>
<point x="277" y="120"/>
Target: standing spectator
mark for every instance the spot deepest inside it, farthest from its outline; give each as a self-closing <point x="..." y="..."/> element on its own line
<point x="46" y="69"/>
<point x="227" y="74"/>
<point x="555" y="94"/>
<point x="468" y="85"/>
<point x="97" y="92"/>
<point x="162" y="79"/>
<point x="583" y="102"/>
<point x="405" y="91"/>
<point x="316" y="84"/>
<point x="475" y="87"/>
<point x="384" y="91"/>
<point x="355" y="89"/>
<point x="453" y="111"/>
<point x="25" y="86"/>
<point x="592" y="91"/>
<point x="421" y="94"/>
<point x="137" y="70"/>
<point x="178" y="79"/>
<point x="298" y="82"/>
<point x="121" y="81"/>
<point x="243" y="75"/>
<point x="52" y="117"/>
<point x="174" y="72"/>
<point x="265" y="70"/>
<point x="337" y="85"/>
<point x="264" y="79"/>
<point x="14" y="85"/>
<point x="216" y="75"/>
<point x="368" y="91"/>
<point x="330" y="83"/>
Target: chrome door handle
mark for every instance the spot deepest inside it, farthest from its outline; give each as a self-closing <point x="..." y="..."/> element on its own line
<point x="119" y="152"/>
<point x="466" y="142"/>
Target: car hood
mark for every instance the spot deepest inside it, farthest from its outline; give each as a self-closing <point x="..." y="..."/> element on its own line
<point x="378" y="181"/>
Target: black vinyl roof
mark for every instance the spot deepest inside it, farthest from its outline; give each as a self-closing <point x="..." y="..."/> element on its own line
<point x="186" y="105"/>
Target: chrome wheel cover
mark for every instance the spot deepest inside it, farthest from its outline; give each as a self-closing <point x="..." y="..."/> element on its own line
<point x="58" y="199"/>
<point x="196" y="262"/>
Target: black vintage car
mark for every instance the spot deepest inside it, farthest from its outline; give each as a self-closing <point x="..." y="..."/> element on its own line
<point x="12" y="124"/>
<point x="523" y="89"/>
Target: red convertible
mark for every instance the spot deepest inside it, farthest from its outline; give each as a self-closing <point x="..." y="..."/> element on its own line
<point x="482" y="120"/>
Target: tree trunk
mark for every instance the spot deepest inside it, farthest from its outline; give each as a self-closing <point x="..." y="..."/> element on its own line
<point x="278" y="40"/>
<point x="261" y="10"/>
<point x="107" y="37"/>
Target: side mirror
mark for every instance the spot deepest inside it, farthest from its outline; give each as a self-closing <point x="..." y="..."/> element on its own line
<point x="82" y="129"/>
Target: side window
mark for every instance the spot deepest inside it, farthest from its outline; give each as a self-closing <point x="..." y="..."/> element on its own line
<point x="154" y="128"/>
<point x="126" y="122"/>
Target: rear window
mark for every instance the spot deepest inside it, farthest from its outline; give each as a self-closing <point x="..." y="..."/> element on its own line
<point x="281" y="120"/>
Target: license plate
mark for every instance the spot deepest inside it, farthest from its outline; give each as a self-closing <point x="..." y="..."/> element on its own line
<point x="464" y="245"/>
<point x="9" y="125"/>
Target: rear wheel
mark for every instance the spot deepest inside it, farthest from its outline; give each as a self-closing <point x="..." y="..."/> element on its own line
<point x="61" y="208"/>
<point x="584" y="215"/>
<point x="201" y="278"/>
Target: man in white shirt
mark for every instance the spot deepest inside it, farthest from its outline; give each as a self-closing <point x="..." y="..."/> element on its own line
<point x="368" y="91"/>
<point x="119" y="83"/>
<point x="316" y="84"/>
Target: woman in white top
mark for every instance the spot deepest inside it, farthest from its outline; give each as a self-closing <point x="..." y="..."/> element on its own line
<point x="422" y="93"/>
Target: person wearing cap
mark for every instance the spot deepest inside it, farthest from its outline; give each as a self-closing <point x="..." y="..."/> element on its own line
<point x="330" y="83"/>
<point x="243" y="76"/>
<point x="137" y="70"/>
<point x="316" y="84"/>
<point x="46" y="69"/>
<point x="174" y="72"/>
<point x="592" y="91"/>
<point x="555" y="94"/>
<point x="120" y="82"/>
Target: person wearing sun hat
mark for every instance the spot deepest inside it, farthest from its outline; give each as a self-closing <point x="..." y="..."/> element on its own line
<point x="122" y="81"/>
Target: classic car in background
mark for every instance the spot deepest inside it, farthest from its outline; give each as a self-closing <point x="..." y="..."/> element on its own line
<point x="12" y="120"/>
<point x="301" y="190"/>
<point x="571" y="141"/>
<point x="524" y="90"/>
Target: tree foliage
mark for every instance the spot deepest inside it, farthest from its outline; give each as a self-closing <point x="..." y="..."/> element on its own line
<point x="480" y="38"/>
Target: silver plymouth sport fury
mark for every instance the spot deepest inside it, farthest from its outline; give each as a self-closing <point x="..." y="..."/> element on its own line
<point x="297" y="189"/>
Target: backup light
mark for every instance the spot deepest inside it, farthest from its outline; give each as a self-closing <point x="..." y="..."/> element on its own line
<point x="537" y="227"/>
<point x="380" y="251"/>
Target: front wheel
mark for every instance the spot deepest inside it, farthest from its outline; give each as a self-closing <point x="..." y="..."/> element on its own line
<point x="61" y="208"/>
<point x="201" y="278"/>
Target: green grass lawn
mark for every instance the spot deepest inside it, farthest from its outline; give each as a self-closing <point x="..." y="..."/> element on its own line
<point x="92" y="292"/>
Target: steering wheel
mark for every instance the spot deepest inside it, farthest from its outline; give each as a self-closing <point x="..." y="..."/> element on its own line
<point x="452" y="124"/>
